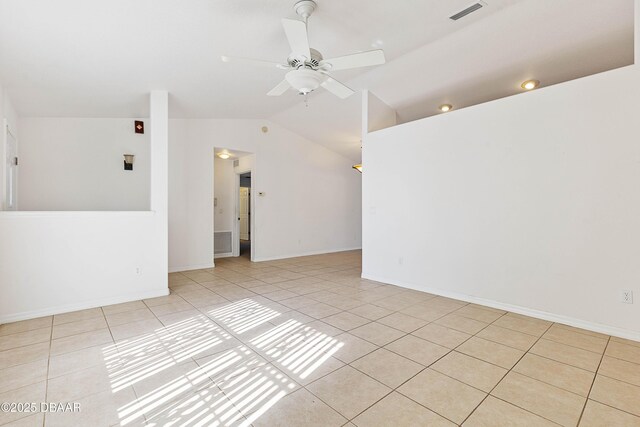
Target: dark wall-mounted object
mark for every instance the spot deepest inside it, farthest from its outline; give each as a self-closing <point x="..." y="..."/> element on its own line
<point x="139" y="126"/>
<point x="128" y="162"/>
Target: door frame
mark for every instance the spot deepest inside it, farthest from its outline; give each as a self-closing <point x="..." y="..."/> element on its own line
<point x="236" y="226"/>
<point x="7" y="134"/>
<point x="248" y="212"/>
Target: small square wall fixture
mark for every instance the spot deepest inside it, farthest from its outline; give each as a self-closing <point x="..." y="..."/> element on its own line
<point x="128" y="162"/>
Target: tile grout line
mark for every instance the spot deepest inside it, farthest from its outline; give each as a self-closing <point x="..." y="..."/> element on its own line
<point x="48" y="366"/>
<point x="46" y="388"/>
<point x="577" y="330"/>
<point x="618" y="379"/>
<point x="28" y="330"/>
<point x="505" y="375"/>
<point x="573" y="346"/>
<point x="595" y="376"/>
<point x="616" y="409"/>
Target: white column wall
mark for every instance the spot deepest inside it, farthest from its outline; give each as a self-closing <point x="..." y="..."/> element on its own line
<point x="528" y="203"/>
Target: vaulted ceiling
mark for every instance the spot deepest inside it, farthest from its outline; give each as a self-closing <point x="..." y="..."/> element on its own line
<point x="100" y="58"/>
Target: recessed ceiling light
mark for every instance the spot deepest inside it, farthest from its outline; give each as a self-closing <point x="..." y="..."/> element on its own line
<point x="224" y="156"/>
<point x="446" y="107"/>
<point x="530" y="84"/>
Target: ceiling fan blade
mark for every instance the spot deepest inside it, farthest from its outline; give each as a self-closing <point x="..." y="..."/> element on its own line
<point x="296" y="32"/>
<point x="356" y="60"/>
<point x="336" y="88"/>
<point x="279" y="89"/>
<point x="256" y="62"/>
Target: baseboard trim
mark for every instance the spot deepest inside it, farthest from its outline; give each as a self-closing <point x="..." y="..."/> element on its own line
<point x="33" y="314"/>
<point x="190" y="267"/>
<point x="226" y="255"/>
<point x="301" y="254"/>
<point x="260" y="259"/>
<point x="544" y="315"/>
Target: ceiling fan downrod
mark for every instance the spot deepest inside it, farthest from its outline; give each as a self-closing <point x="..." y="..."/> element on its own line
<point x="305" y="8"/>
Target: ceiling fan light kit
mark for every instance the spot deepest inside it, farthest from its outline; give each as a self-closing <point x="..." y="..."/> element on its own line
<point x="304" y="80"/>
<point x="308" y="70"/>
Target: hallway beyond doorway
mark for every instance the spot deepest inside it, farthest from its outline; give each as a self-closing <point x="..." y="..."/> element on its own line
<point x="245" y="249"/>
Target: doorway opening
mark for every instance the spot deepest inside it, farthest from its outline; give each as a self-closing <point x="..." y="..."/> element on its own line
<point x="244" y="215"/>
<point x="233" y="207"/>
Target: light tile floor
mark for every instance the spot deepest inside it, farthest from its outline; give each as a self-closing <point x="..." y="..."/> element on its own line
<point x="304" y="342"/>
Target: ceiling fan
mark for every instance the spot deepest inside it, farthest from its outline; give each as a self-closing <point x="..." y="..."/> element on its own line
<point x="308" y="70"/>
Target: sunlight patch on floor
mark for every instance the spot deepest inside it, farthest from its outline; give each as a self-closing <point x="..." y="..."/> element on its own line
<point x="230" y="383"/>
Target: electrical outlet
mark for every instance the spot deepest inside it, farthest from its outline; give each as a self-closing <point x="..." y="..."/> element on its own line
<point x="626" y="297"/>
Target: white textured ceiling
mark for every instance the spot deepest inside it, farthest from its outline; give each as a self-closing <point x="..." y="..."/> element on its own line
<point x="100" y="58"/>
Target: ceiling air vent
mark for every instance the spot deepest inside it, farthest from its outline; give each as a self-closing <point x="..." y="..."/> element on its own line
<point x="467" y="11"/>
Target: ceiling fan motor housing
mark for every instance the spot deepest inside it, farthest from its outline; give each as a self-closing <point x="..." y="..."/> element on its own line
<point x="298" y="62"/>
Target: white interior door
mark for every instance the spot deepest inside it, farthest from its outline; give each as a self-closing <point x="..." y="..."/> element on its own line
<point x="244" y="213"/>
<point x="11" y="156"/>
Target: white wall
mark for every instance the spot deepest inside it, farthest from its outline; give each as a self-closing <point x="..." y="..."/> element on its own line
<point x="376" y="114"/>
<point x="10" y="113"/>
<point x="159" y="117"/>
<point x="312" y="202"/>
<point x="54" y="262"/>
<point x="529" y="203"/>
<point x="76" y="164"/>
<point x="245" y="164"/>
